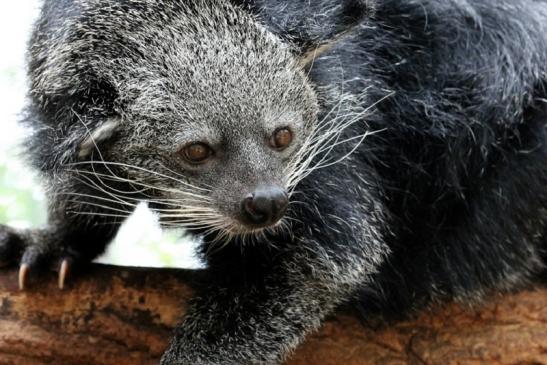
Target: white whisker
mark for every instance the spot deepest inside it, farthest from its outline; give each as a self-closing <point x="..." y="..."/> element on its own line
<point x="106" y="207"/>
<point x="138" y="168"/>
<point x="315" y="152"/>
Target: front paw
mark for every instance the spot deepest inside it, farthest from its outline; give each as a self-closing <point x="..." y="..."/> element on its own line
<point x="193" y="354"/>
<point x="35" y="252"/>
<point x="228" y="351"/>
<point x="172" y="358"/>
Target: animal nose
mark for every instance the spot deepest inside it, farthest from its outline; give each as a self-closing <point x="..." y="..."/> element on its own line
<point x="265" y="206"/>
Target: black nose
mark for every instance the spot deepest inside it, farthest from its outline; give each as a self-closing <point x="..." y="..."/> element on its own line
<point x="265" y="206"/>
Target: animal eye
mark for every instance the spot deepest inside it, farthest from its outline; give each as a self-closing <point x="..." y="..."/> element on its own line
<point x="281" y="138"/>
<point x="196" y="153"/>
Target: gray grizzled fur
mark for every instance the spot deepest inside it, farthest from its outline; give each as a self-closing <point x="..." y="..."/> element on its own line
<point x="417" y="170"/>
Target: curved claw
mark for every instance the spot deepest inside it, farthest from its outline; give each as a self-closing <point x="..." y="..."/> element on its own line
<point x="23" y="274"/>
<point x="63" y="272"/>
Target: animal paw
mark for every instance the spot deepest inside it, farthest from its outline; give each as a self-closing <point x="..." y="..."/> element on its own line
<point x="35" y="260"/>
<point x="34" y="254"/>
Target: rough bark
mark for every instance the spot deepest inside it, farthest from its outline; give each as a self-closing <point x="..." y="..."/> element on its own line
<point x="124" y="316"/>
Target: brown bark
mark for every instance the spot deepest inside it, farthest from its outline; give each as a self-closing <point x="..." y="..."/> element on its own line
<point x="124" y="316"/>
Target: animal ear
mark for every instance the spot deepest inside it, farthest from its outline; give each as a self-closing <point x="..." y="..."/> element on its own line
<point x="97" y="136"/>
<point x="315" y="49"/>
<point x="315" y="26"/>
<point x="331" y="26"/>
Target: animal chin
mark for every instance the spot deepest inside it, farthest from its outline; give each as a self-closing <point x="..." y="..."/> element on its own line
<point x="238" y="228"/>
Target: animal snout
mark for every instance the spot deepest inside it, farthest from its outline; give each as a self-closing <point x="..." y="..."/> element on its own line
<point x="265" y="206"/>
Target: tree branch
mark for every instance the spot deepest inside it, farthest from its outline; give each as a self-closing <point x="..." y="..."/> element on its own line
<point x="125" y="316"/>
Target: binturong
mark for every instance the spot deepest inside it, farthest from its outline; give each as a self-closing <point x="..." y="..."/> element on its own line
<point x="380" y="154"/>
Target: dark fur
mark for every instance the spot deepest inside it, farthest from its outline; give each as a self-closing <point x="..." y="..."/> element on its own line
<point x="448" y="200"/>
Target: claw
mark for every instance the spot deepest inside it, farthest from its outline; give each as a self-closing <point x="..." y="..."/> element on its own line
<point x="63" y="271"/>
<point x="23" y="273"/>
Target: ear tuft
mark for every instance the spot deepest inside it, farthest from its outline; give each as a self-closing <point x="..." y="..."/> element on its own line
<point x="97" y="136"/>
<point x="313" y="26"/>
<point x="340" y="22"/>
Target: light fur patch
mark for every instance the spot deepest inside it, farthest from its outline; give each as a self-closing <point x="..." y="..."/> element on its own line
<point x="309" y="56"/>
<point x="100" y="134"/>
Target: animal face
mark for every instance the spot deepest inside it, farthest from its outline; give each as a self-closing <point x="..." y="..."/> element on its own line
<point x="232" y="139"/>
<point x="202" y="110"/>
<point x="212" y="115"/>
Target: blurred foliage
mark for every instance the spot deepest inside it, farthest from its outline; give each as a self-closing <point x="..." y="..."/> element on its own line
<point x="21" y="200"/>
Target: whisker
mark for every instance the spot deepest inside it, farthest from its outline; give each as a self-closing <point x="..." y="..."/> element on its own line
<point x="98" y="214"/>
<point x="106" y="207"/>
<point x="207" y="189"/>
<point x="90" y="183"/>
<point x="124" y="200"/>
<point x="144" y="185"/>
<point x="323" y="140"/>
<point x="98" y="198"/>
<point x="133" y="167"/>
